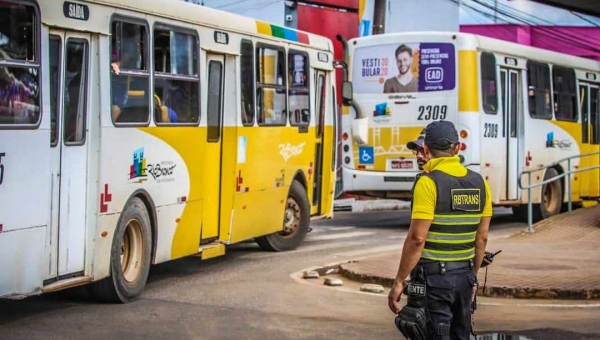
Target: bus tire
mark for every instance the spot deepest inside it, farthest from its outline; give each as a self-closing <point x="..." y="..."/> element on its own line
<point x="296" y="219"/>
<point x="129" y="256"/>
<point x="551" y="199"/>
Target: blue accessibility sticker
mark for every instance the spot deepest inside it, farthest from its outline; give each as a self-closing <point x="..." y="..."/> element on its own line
<point x="366" y="155"/>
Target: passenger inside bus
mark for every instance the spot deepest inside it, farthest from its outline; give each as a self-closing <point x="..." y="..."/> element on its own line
<point x="119" y="85"/>
<point x="131" y="97"/>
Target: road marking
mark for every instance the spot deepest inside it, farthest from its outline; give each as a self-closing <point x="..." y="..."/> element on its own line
<point x="304" y="249"/>
<point x="340" y="228"/>
<point x="339" y="236"/>
<point x="319" y="229"/>
<point x="381" y="249"/>
<point x="540" y="305"/>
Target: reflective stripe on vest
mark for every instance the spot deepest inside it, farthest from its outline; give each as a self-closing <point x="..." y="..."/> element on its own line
<point x="449" y="255"/>
<point x="451" y="236"/>
<point x="461" y="219"/>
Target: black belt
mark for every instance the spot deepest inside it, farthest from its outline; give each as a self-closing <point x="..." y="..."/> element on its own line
<point x="439" y="267"/>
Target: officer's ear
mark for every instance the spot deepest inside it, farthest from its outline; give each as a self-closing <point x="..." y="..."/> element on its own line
<point x="457" y="148"/>
<point x="426" y="151"/>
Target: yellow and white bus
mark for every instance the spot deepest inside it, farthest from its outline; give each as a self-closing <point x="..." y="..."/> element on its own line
<point x="133" y="133"/>
<point x="516" y="108"/>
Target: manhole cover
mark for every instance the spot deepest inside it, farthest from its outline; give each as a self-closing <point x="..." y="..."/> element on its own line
<point x="542" y="267"/>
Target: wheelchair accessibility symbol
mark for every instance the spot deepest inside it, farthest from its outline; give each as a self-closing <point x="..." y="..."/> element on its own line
<point x="366" y="155"/>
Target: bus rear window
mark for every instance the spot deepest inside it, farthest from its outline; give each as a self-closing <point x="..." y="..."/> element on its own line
<point x="404" y="67"/>
<point x="19" y="82"/>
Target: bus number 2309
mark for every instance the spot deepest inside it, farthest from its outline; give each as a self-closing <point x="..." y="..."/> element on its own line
<point x="432" y="112"/>
<point x="490" y="130"/>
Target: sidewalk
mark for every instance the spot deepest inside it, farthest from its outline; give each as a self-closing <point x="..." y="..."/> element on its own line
<point x="354" y="205"/>
<point x="560" y="260"/>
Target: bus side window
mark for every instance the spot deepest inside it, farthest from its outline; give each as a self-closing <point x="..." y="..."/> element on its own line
<point x="595" y="115"/>
<point x="298" y="89"/>
<point x="271" y="87"/>
<point x="75" y="93"/>
<point x="489" y="91"/>
<point x="130" y="78"/>
<point x="20" y="77"/>
<point x="565" y="93"/>
<point x="538" y="90"/>
<point x="247" y="83"/>
<point x="176" y="78"/>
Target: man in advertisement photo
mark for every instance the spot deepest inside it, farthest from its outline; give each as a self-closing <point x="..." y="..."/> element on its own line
<point x="404" y="81"/>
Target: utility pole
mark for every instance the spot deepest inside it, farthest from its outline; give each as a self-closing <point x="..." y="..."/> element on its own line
<point x="495" y="11"/>
<point x="379" y="17"/>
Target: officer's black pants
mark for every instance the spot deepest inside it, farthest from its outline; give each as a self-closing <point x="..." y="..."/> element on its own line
<point x="449" y="302"/>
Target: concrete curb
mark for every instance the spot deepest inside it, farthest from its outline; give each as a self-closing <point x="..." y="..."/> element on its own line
<point x="353" y="205"/>
<point x="490" y="290"/>
<point x="364" y="278"/>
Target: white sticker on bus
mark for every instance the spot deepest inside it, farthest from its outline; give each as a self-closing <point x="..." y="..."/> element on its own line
<point x="287" y="151"/>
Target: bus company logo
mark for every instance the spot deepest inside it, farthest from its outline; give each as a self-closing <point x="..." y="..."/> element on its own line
<point x="382" y="113"/>
<point x="550" y="140"/>
<point x="381" y="110"/>
<point x="137" y="171"/>
<point x="140" y="170"/>
<point x="553" y="143"/>
<point x="288" y="151"/>
<point x="434" y="75"/>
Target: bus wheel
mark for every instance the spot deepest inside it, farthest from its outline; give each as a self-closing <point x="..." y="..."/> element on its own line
<point x="296" y="219"/>
<point x="129" y="257"/>
<point x="552" y="195"/>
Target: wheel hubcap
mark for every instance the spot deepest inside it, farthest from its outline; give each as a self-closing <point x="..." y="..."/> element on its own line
<point x="550" y="200"/>
<point x="132" y="252"/>
<point x="291" y="218"/>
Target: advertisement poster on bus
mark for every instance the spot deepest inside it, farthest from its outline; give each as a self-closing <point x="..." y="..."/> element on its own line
<point x="404" y="68"/>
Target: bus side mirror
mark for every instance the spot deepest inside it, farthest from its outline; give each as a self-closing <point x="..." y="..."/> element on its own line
<point x="347" y="92"/>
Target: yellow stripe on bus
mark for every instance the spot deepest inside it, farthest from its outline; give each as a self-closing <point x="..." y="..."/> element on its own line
<point x="187" y="235"/>
<point x="468" y="89"/>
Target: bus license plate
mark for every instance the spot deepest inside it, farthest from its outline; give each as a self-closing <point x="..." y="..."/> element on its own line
<point x="401" y="165"/>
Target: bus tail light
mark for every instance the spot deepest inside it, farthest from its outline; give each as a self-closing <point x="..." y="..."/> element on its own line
<point x="464" y="134"/>
<point x="347" y="160"/>
<point x="463" y="146"/>
<point x="345" y="136"/>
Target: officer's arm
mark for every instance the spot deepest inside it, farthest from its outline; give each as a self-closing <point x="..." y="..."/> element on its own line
<point x="413" y="247"/>
<point x="481" y="241"/>
<point x="483" y="228"/>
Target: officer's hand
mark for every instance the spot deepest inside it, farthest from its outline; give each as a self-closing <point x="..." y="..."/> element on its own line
<point x="394" y="296"/>
<point x="474" y="291"/>
<point x="485" y="262"/>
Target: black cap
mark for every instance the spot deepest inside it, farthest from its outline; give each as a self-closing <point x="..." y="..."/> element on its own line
<point x="441" y="135"/>
<point x="417" y="143"/>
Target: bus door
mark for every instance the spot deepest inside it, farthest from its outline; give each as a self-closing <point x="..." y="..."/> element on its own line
<point x="512" y="130"/>
<point x="589" y="95"/>
<point x="320" y="117"/>
<point x="72" y="96"/>
<point x="215" y="73"/>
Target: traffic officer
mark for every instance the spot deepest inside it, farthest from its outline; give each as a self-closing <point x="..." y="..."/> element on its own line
<point x="447" y="237"/>
<point x="416" y="147"/>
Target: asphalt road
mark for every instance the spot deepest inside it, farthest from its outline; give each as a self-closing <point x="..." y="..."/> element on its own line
<point x="253" y="294"/>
